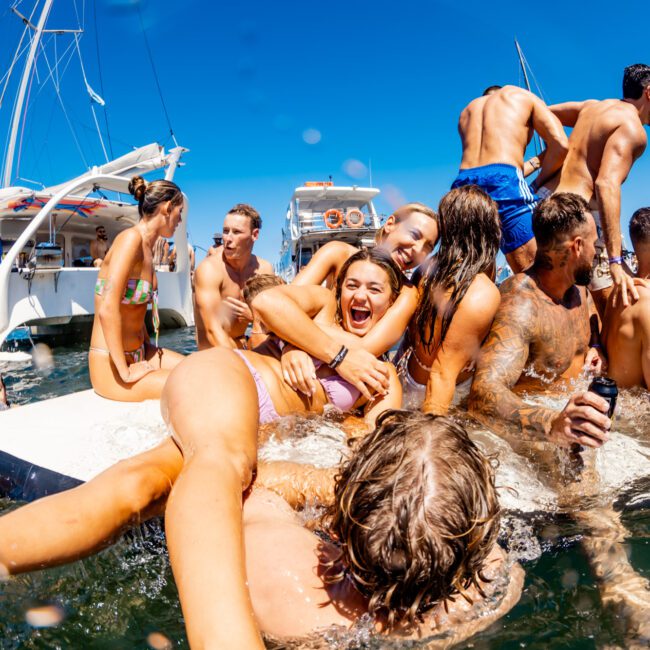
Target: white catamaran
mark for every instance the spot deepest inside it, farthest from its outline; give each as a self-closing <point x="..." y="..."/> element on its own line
<point x="46" y="274"/>
<point x="57" y="443"/>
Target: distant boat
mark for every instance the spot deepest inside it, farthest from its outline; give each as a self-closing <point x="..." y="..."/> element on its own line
<point x="46" y="272"/>
<point x="320" y="212"/>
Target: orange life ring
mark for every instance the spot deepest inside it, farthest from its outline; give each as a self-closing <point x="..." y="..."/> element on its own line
<point x="333" y="213"/>
<point x="354" y="213"/>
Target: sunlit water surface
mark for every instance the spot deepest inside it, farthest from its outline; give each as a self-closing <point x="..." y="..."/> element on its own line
<point x="125" y="597"/>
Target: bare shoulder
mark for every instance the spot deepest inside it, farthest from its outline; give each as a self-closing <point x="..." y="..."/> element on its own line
<point x="130" y="238"/>
<point x="264" y="266"/>
<point x="339" y="249"/>
<point x="482" y="295"/>
<point x="210" y="269"/>
<point x="519" y="302"/>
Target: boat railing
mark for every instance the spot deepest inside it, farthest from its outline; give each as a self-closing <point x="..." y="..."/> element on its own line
<point x="315" y="221"/>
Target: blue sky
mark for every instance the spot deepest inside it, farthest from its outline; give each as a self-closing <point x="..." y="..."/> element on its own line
<point x="382" y="83"/>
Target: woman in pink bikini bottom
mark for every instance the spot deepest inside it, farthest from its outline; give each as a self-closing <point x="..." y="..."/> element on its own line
<point x="213" y="403"/>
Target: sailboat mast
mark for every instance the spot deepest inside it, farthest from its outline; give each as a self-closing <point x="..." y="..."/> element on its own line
<point x="15" y="122"/>
<point x="520" y="54"/>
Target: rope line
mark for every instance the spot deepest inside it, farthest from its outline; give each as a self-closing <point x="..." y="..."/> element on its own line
<point x="101" y="79"/>
<point x="155" y="74"/>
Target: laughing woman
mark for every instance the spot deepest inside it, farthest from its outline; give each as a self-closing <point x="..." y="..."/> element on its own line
<point x="123" y="364"/>
<point x="213" y="403"/>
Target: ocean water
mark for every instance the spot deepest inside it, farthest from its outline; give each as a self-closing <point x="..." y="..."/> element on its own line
<point x="125" y="597"/>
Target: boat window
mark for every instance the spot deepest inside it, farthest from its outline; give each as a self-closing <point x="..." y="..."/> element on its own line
<point x="81" y="251"/>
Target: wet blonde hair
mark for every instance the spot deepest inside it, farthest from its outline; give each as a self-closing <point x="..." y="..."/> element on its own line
<point x="416" y="514"/>
<point x="150" y="195"/>
<point x="403" y="213"/>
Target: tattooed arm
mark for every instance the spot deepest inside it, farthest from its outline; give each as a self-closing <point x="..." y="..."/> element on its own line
<point x="501" y="364"/>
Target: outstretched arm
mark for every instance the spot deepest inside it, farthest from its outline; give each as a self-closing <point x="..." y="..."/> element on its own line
<point x="325" y="263"/>
<point x="550" y="130"/>
<point x="568" y="112"/>
<point x="623" y="147"/>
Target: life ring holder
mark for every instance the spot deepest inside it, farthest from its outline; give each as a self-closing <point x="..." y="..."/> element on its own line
<point x="337" y="214"/>
<point x="353" y="214"/>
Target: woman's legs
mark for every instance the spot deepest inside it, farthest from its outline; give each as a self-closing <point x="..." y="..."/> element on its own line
<point x="106" y="380"/>
<point x="210" y="402"/>
<point x="76" y="523"/>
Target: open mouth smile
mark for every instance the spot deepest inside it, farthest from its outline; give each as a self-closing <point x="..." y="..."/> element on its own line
<point x="359" y="315"/>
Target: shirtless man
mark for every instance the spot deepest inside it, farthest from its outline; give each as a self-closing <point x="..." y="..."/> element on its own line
<point x="542" y="333"/>
<point x="608" y="136"/>
<point x="495" y="130"/>
<point x="220" y="313"/>
<point x="99" y="246"/>
<point x="626" y="330"/>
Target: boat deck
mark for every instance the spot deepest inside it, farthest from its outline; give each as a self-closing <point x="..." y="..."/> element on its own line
<point x="57" y="443"/>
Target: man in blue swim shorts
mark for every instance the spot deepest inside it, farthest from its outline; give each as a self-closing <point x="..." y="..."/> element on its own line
<point x="495" y="130"/>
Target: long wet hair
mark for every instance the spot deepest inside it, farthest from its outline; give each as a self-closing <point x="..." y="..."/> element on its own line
<point x="469" y="241"/>
<point x="150" y="195"/>
<point x="379" y="258"/>
<point x="416" y="515"/>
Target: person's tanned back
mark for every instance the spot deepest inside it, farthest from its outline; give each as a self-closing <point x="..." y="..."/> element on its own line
<point x="607" y="137"/>
<point x="495" y="130"/>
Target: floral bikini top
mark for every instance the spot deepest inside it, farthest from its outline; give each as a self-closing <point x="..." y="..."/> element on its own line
<point x="137" y="292"/>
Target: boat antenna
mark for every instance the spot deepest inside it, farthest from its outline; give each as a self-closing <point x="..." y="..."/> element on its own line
<point x="370" y="171"/>
<point x="522" y="63"/>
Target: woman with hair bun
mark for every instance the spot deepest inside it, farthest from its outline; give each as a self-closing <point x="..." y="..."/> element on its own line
<point x="124" y="365"/>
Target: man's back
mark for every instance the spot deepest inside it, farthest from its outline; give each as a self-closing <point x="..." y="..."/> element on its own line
<point x="596" y="123"/>
<point x="626" y="336"/>
<point x="496" y="128"/>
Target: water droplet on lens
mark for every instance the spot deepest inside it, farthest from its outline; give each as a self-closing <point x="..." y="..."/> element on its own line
<point x="159" y="641"/>
<point x="355" y="168"/>
<point x="42" y="358"/>
<point x="45" y="616"/>
<point x="393" y="196"/>
<point x="311" y="136"/>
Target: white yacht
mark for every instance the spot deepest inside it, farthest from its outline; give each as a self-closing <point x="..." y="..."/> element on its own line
<point x="320" y="212"/>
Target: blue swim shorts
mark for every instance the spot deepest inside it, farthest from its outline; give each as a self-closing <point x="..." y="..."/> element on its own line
<point x="516" y="201"/>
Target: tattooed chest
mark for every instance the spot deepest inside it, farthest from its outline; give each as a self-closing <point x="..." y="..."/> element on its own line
<point x="562" y="336"/>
